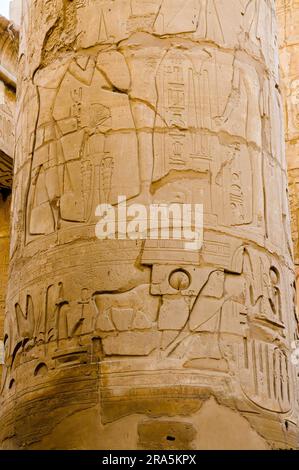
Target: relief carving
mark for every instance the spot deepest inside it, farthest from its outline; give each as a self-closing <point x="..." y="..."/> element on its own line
<point x="77" y="146"/>
<point x="161" y="102"/>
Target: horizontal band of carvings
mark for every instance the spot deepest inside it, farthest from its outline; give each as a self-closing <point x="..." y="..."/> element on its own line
<point x="6" y="171"/>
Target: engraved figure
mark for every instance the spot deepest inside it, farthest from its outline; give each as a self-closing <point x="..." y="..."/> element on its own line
<point x="73" y="139"/>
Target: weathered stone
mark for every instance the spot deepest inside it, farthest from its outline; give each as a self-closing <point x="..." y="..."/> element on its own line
<point x="131" y="344"/>
<point x="149" y="343"/>
<point x="288" y="16"/>
<point x="8" y="65"/>
<point x="159" y="435"/>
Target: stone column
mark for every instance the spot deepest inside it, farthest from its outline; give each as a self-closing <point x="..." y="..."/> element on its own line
<point x="8" y="61"/>
<point x="129" y="344"/>
<point x="4" y="258"/>
<point x="288" y="16"/>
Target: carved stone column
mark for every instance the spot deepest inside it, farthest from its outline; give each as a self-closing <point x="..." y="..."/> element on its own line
<point x="8" y="62"/>
<point x="4" y="259"/>
<point x="288" y="15"/>
<point x="144" y="344"/>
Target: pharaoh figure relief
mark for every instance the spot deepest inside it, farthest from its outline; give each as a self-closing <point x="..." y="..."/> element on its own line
<point x="161" y="102"/>
<point x="75" y="143"/>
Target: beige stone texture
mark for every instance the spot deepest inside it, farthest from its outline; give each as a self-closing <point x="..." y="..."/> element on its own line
<point x="288" y="16"/>
<point x="8" y="65"/>
<point x="4" y="260"/>
<point x="144" y="344"/>
<point x="15" y="11"/>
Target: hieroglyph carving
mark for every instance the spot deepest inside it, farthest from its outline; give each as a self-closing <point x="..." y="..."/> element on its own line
<point x="159" y="102"/>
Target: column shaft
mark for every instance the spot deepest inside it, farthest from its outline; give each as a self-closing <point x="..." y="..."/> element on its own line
<point x="142" y="343"/>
